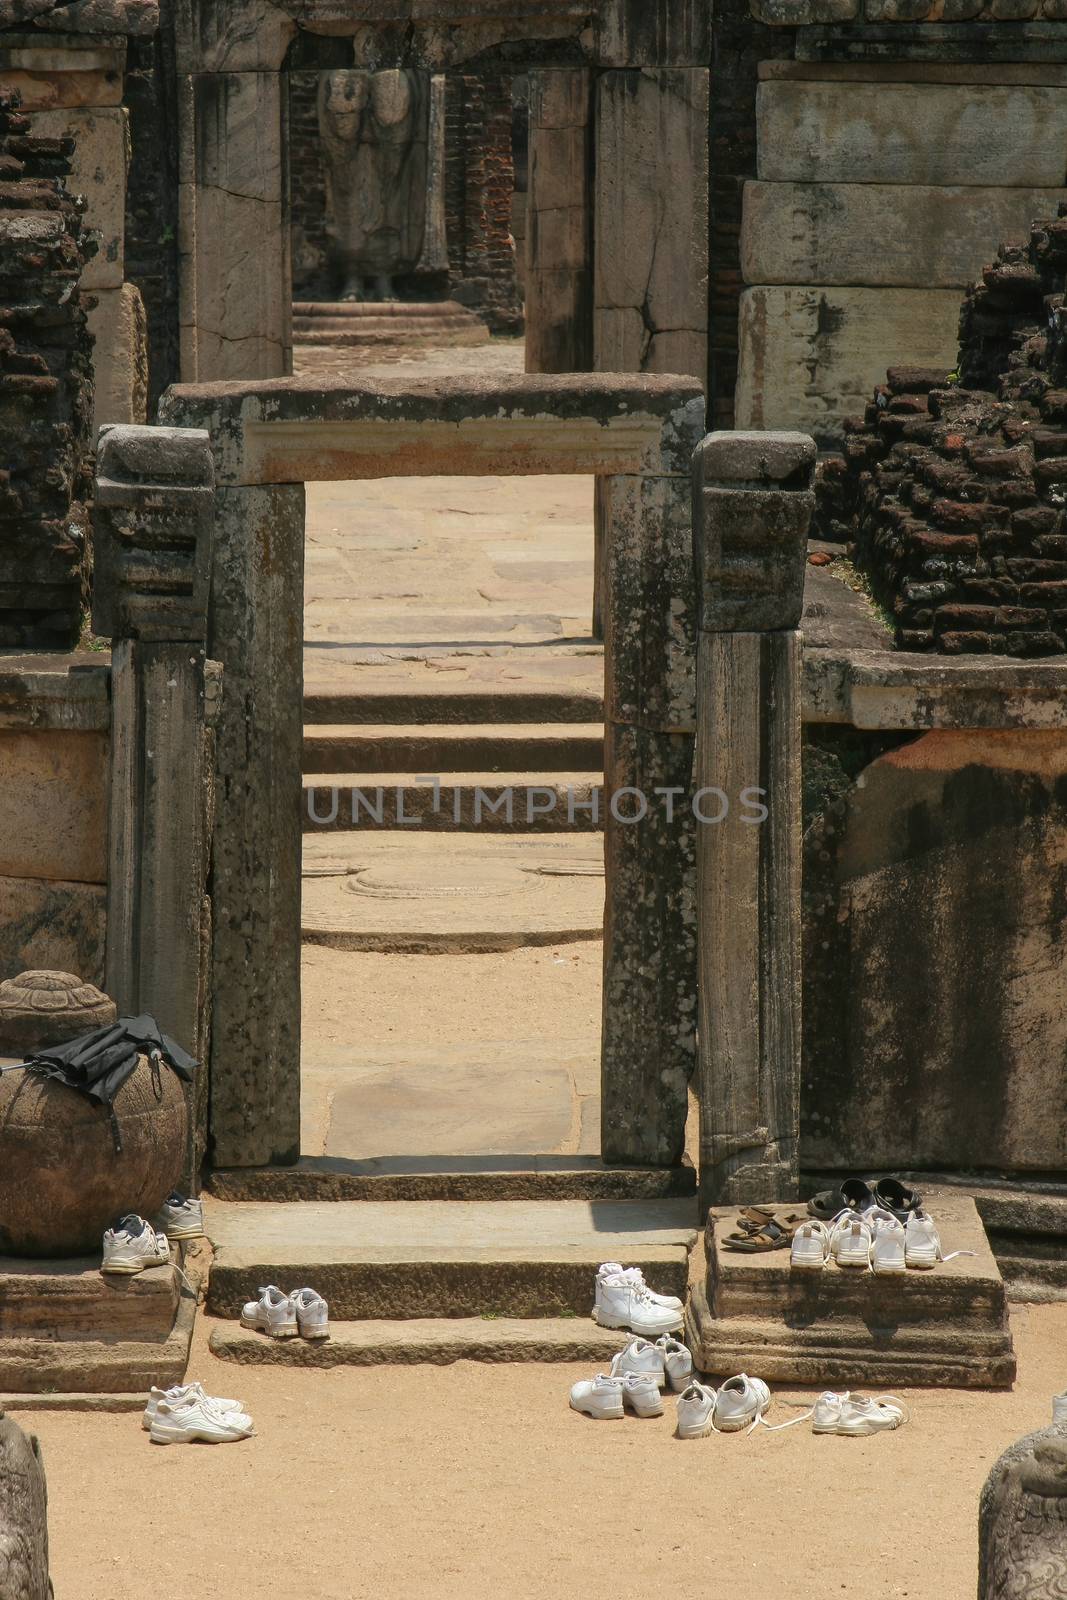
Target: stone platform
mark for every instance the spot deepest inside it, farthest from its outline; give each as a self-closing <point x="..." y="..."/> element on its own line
<point x="370" y="323"/>
<point x="66" y="1328"/>
<point x="845" y="1328"/>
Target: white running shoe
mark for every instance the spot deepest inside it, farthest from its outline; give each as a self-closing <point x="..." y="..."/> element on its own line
<point x="887" y="1242"/>
<point x="188" y="1391"/>
<point x="855" y="1415"/>
<point x="811" y="1245"/>
<point x="599" y="1397"/>
<point x="640" y="1359"/>
<point x="133" y="1244"/>
<point x="850" y="1241"/>
<point x="194" y="1419"/>
<point x="922" y="1243"/>
<point x="677" y="1363"/>
<point x="312" y="1314"/>
<point x="696" y="1411"/>
<point x="180" y="1218"/>
<point x="741" y="1403"/>
<point x="640" y="1392"/>
<point x="612" y="1269"/>
<point x="273" y="1313"/>
<point x="623" y="1302"/>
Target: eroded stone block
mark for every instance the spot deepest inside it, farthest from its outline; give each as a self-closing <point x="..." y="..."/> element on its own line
<point x="53" y="807"/>
<point x="120" y="356"/>
<point x="98" y="171"/>
<point x="52" y="925"/>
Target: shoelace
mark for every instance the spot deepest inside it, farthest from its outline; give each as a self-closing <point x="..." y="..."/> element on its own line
<point x="939" y="1254"/>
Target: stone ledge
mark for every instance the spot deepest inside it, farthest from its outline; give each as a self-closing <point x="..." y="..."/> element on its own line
<point x="435" y="1341"/>
<point x="439" y="1178"/>
<point x="55" y="693"/>
<point x="891" y="689"/>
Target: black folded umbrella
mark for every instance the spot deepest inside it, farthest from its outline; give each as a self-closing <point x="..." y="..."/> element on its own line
<point x="99" y="1062"/>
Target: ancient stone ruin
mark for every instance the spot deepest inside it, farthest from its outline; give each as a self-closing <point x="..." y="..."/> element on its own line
<point x="46" y="391"/>
<point x="1022" y="1521"/>
<point x="23" y="1516"/>
<point x="953" y="486"/>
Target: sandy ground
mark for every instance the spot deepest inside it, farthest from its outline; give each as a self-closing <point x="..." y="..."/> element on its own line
<point x="351" y="996"/>
<point x="435" y="1483"/>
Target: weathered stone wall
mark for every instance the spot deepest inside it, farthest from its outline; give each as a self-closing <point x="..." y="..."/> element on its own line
<point x="953" y="495"/>
<point x="45" y="391"/>
<point x="479" y="184"/>
<point x="151" y="243"/>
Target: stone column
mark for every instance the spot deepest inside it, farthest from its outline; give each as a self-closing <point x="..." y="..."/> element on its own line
<point x="152" y="526"/>
<point x="559" y="241"/>
<point x="648" y="1041"/>
<point x="236" y="310"/>
<point x="651" y="222"/>
<point x="257" y="632"/>
<point x="752" y="508"/>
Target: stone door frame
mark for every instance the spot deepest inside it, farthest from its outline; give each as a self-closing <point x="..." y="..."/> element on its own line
<point x="626" y="94"/>
<point x="637" y="435"/>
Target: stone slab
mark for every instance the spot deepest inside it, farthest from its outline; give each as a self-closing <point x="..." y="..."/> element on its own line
<point x="890" y="689"/>
<point x="53" y="806"/>
<point x="55" y="692"/>
<point x="305" y="429"/>
<point x="436" y="1342"/>
<point x="896" y="235"/>
<point x="52" y="924"/>
<point x="98" y="171"/>
<point x="374" y="892"/>
<point x="75" y="1300"/>
<point x="409" y="1260"/>
<point x="1037" y="74"/>
<point x="809" y="357"/>
<point x="49" y="87"/>
<point x="464" y="746"/>
<point x="120" y="357"/>
<point x="459" y="1178"/>
<point x="945" y="1326"/>
<point x="912" y="133"/>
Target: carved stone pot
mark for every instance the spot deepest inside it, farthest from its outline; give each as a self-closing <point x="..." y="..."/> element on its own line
<point x="62" y="1181"/>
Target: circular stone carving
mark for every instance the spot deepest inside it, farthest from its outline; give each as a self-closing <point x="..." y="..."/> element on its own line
<point x="49" y="1008"/>
<point x="62" y="1182"/>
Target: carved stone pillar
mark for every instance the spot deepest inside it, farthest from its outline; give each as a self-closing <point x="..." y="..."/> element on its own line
<point x="153" y="529"/>
<point x="752" y="508"/>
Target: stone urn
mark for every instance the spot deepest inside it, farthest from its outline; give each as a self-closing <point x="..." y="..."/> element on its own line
<point x="39" y="1008"/>
<point x="62" y="1181"/>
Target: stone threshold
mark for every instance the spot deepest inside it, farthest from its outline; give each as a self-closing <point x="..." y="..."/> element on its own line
<point x="444" y="1178"/>
<point x="435" y="1341"/>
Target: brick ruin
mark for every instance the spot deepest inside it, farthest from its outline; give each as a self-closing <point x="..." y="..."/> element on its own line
<point x="46" y="391"/>
<point x="951" y="488"/>
<point x="479" y="185"/>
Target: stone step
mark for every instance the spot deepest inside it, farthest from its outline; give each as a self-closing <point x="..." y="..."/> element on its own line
<point x="410" y="893"/>
<point x="329" y="701"/>
<point x="435" y="1341"/>
<point x="445" y="1178"/>
<point x="487" y="801"/>
<point x="465" y="747"/>
<point x="401" y="1260"/>
<point x="59" y="1300"/>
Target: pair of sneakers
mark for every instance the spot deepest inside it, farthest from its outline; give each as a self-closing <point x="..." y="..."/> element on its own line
<point x="135" y="1243"/>
<point x="638" y="1374"/>
<point x="876" y="1241"/>
<point x="284" y="1316"/>
<point x="738" y="1403"/>
<point x="622" y="1299"/>
<point x="186" y="1413"/>
<point x="855" y="1415"/>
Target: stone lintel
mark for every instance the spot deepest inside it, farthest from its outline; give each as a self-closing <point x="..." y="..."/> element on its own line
<point x="890" y="689"/>
<point x="55" y="693"/>
<point x="299" y="430"/>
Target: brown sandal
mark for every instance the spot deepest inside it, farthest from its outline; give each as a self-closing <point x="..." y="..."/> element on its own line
<point x="772" y="1236"/>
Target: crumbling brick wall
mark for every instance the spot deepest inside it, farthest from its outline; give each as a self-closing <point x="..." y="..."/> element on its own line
<point x="479" y="181"/>
<point x="953" y="488"/>
<point x="46" y="392"/>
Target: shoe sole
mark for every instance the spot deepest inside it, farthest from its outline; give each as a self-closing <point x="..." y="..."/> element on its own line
<point x="808" y="1263"/>
<point x="196" y="1436"/>
<point x="272" y="1333"/>
<point x="694" y="1433"/>
<point x="644" y="1411"/>
<point x="120" y="1270"/>
<point x="643" y="1330"/>
<point x="884" y="1270"/>
<point x="599" y="1416"/>
<point x="318" y="1333"/>
<point x="865" y="1433"/>
<point x="854" y="1263"/>
<point x="187" y="1233"/>
<point x="921" y="1263"/>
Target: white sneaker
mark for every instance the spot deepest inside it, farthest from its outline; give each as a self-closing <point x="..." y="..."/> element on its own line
<point x="180" y="1218"/>
<point x="612" y="1269"/>
<point x="850" y="1241"/>
<point x="133" y="1244"/>
<point x="187" y="1420"/>
<point x="312" y="1313"/>
<point x="811" y="1246"/>
<point x="859" y="1416"/>
<point x="696" y="1412"/>
<point x="826" y="1412"/>
<point x="273" y="1313"/>
<point x="887" y="1242"/>
<point x="677" y="1363"/>
<point x="188" y="1391"/>
<point x="740" y="1404"/>
<point x="642" y="1360"/>
<point x="599" y="1397"/>
<point x="640" y="1392"/>
<point x="623" y="1302"/>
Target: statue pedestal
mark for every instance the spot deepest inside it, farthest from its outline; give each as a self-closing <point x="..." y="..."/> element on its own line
<point x="368" y="323"/>
<point x="845" y="1329"/>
